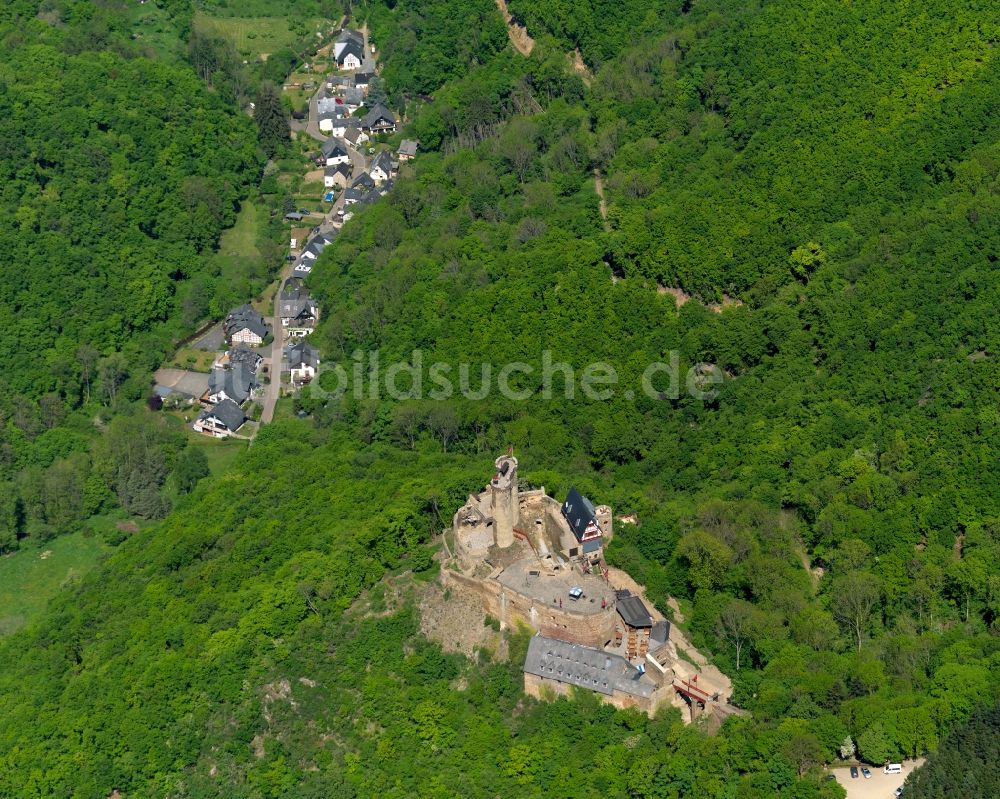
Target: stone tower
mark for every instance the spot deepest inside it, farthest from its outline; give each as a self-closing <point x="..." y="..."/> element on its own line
<point x="503" y="500"/>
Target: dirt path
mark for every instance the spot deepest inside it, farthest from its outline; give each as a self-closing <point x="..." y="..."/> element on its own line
<point x="580" y="68"/>
<point x="517" y="34"/>
<point x="603" y="203"/>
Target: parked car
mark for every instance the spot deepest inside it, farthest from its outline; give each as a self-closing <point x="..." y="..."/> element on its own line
<point x="867" y="774"/>
<point x="854" y="772"/>
<point x="305" y="211"/>
<point x="899" y="791"/>
<point x="575" y="593"/>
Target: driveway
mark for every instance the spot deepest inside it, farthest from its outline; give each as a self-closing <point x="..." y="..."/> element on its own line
<point x="194" y="384"/>
<point x="879" y="786"/>
<point x="211" y="340"/>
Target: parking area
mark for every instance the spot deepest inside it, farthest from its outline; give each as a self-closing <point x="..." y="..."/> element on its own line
<point x="878" y="786"/>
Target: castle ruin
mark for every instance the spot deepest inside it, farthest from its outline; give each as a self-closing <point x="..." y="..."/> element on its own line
<point x="530" y="559"/>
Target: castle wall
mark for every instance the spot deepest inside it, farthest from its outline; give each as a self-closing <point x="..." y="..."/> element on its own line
<point x="511" y="607"/>
<point x="543" y="687"/>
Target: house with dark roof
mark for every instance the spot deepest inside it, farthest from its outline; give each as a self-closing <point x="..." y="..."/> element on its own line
<point x="243" y="357"/>
<point x="334" y="151"/>
<point x="552" y="666"/>
<point x="353" y="195"/>
<point x="363" y="79"/>
<point x="381" y="168"/>
<point x="379" y="120"/>
<point x="349" y="49"/>
<point x="234" y="383"/>
<point x="353" y="99"/>
<point x="353" y="134"/>
<point x="299" y="311"/>
<point x="581" y="516"/>
<point x="244" y="325"/>
<point x="220" y="420"/>
<point x="364" y="182"/>
<point x="303" y="361"/>
<point x="337" y="176"/>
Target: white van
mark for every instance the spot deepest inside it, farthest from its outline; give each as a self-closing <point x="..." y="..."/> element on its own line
<point x="893" y="768"/>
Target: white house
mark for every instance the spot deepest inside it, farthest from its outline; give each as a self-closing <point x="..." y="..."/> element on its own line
<point x="349" y="49"/>
<point x="381" y="168"/>
<point x="221" y="420"/>
<point x="303" y="361"/>
<point x="334" y="151"/>
<point x="244" y="325"/>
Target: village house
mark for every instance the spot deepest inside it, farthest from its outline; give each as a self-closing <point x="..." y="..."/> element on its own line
<point x="303" y="361"/>
<point x="299" y="312"/>
<point x="333" y="114"/>
<point x="243" y="357"/>
<point x="353" y="99"/>
<point x="353" y="134"/>
<point x="363" y="182"/>
<point x="336" y="176"/>
<point x="379" y="120"/>
<point x="362" y="80"/>
<point x="381" y="168"/>
<point x="234" y="383"/>
<point x="349" y="49"/>
<point x="334" y="151"/>
<point x="407" y="150"/>
<point x="221" y="420"/>
<point x="353" y="195"/>
<point x="244" y="325"/>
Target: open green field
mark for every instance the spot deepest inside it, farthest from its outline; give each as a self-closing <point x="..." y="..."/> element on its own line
<point x="241" y="239"/>
<point x="257" y="36"/>
<point x="31" y="576"/>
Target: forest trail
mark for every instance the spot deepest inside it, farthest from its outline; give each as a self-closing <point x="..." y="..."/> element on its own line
<point x="517" y="34"/>
<point x="603" y="203"/>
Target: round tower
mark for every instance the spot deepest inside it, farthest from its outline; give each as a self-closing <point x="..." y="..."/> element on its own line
<point x="503" y="500"/>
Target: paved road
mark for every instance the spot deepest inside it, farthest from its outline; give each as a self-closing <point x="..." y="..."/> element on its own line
<point x="272" y="391"/>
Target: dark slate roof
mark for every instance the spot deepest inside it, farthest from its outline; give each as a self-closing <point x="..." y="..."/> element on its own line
<point x="363" y="181"/>
<point x="237" y="382"/>
<point x="302" y="353"/>
<point x="362" y="78"/>
<point x="383" y="161"/>
<point x="660" y="632"/>
<point x="353" y="195"/>
<point x="334" y="148"/>
<point x="633" y="612"/>
<point x="245" y="317"/>
<point x="351" y="47"/>
<point x="227" y="412"/>
<point x="579" y="512"/>
<point x="585" y="667"/>
<point x="378" y="114"/>
<point x="349" y="34"/>
<point x="242" y="354"/>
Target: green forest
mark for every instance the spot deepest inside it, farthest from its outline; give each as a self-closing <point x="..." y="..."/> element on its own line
<point x="805" y="194"/>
